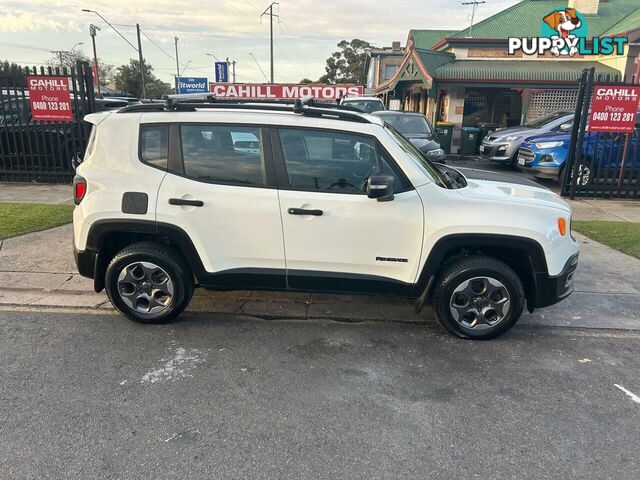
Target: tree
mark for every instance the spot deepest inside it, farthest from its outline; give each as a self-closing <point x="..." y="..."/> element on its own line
<point x="305" y="81"/>
<point x="127" y="79"/>
<point x="72" y="57"/>
<point x="347" y="64"/>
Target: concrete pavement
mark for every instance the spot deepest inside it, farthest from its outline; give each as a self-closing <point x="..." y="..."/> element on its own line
<point x="36" y="193"/>
<point x="607" y="290"/>
<point x="217" y="396"/>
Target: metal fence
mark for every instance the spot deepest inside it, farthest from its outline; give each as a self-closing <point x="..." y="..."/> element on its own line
<point x="42" y="151"/>
<point x="600" y="165"/>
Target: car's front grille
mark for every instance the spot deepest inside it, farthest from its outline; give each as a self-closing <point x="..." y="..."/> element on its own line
<point x="526" y="154"/>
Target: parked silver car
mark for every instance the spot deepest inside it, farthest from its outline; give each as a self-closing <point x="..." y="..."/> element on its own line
<point x="502" y="144"/>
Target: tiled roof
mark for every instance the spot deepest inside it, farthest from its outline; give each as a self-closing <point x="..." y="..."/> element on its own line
<point x="524" y="18"/>
<point x="428" y="38"/>
<point x="519" y="70"/>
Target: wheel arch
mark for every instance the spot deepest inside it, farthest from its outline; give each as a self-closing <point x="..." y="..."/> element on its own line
<point x="107" y="237"/>
<point x="524" y="255"/>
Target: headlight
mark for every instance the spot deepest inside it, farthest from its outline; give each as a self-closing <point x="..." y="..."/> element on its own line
<point x="543" y="145"/>
<point x="437" y="153"/>
<point x="512" y="138"/>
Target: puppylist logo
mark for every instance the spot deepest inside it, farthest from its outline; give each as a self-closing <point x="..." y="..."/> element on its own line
<point x="564" y="32"/>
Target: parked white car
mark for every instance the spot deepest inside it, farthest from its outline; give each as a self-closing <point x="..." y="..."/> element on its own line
<point x="325" y="200"/>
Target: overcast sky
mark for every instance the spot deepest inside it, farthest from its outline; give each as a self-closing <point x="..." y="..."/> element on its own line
<point x="305" y="35"/>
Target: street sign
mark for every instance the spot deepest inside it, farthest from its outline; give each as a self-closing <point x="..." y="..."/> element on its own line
<point x="222" y="72"/>
<point x="614" y="108"/>
<point x="50" y="98"/>
<point x="284" y="91"/>
<point x="192" y="84"/>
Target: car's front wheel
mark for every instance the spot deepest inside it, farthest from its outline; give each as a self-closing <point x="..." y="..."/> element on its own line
<point x="149" y="283"/>
<point x="478" y="297"/>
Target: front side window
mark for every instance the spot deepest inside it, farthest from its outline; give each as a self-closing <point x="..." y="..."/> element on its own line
<point x="225" y="154"/>
<point x="326" y="161"/>
<point x="416" y="156"/>
<point x="154" y="145"/>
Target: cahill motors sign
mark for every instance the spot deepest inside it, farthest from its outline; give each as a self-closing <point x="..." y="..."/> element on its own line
<point x="50" y="98"/>
<point x="614" y="108"/>
<point x="564" y="32"/>
<point x="283" y="91"/>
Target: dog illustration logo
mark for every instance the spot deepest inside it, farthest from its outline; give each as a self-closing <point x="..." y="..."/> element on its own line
<point x="564" y="24"/>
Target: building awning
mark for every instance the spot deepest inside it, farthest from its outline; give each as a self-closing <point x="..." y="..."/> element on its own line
<point x="520" y="71"/>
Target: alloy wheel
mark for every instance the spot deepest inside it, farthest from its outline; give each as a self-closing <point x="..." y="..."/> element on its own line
<point x="146" y="288"/>
<point x="480" y="303"/>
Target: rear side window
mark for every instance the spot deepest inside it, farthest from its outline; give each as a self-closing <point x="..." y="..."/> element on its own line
<point x="154" y="145"/>
<point x="226" y="154"/>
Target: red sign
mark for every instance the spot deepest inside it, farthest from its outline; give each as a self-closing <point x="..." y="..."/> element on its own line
<point x="283" y="91"/>
<point x="50" y="99"/>
<point x="614" y="108"/>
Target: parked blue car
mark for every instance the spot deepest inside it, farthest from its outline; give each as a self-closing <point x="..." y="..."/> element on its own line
<point x="546" y="155"/>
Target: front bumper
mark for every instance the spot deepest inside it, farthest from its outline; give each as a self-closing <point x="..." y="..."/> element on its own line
<point x="552" y="289"/>
<point x="497" y="152"/>
<point x="550" y="173"/>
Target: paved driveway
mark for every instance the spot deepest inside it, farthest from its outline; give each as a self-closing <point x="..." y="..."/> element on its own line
<point x="94" y="396"/>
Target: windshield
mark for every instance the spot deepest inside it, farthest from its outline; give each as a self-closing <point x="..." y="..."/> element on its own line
<point x="366" y="106"/>
<point x="408" y="124"/>
<point x="542" y="121"/>
<point x="426" y="166"/>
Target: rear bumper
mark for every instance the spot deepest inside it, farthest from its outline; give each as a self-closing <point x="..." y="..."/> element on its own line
<point x="552" y="289"/>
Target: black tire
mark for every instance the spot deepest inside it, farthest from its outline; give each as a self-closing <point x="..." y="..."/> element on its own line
<point x="170" y="262"/>
<point x="460" y="271"/>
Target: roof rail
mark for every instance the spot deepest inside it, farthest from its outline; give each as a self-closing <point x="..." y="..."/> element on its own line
<point x="303" y="106"/>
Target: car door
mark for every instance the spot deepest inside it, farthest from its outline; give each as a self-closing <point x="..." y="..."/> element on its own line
<point x="223" y="195"/>
<point x="336" y="238"/>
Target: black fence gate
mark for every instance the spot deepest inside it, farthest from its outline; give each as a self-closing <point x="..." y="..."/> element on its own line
<point x="600" y="165"/>
<point x="42" y="151"/>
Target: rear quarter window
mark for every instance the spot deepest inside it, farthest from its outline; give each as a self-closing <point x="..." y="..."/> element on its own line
<point x="154" y="145"/>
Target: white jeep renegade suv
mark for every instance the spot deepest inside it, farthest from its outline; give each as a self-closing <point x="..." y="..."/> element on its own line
<point x="295" y="197"/>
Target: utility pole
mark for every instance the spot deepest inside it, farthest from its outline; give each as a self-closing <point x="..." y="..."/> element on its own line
<point x="233" y="69"/>
<point x="475" y="4"/>
<point x="271" y="15"/>
<point x="141" y="60"/>
<point x="175" y="39"/>
<point x="93" y="30"/>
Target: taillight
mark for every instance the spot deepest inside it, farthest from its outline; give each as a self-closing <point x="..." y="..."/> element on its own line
<point x="79" y="189"/>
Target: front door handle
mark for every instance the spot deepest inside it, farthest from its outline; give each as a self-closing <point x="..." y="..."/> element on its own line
<point x="304" y="211"/>
<point x="184" y="201"/>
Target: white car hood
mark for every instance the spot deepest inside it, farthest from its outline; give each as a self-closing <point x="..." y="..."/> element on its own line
<point x="512" y="192"/>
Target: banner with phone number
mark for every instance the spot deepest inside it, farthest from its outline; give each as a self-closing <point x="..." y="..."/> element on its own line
<point x="614" y="108"/>
<point x="50" y="98"/>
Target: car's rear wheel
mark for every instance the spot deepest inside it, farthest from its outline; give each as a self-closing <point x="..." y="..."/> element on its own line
<point x="478" y="297"/>
<point x="149" y="283"/>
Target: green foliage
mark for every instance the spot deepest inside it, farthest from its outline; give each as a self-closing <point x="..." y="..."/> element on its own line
<point x="127" y="79"/>
<point x="71" y="58"/>
<point x="347" y="64"/>
<point x="20" y="218"/>
<point x="623" y="236"/>
<point x="305" y="81"/>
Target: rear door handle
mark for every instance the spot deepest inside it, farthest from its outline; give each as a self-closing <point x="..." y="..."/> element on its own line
<point x="184" y="201"/>
<point x="303" y="211"/>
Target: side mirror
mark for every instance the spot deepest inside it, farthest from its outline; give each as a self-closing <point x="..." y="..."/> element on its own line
<point x="381" y="187"/>
<point x="565" y="127"/>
